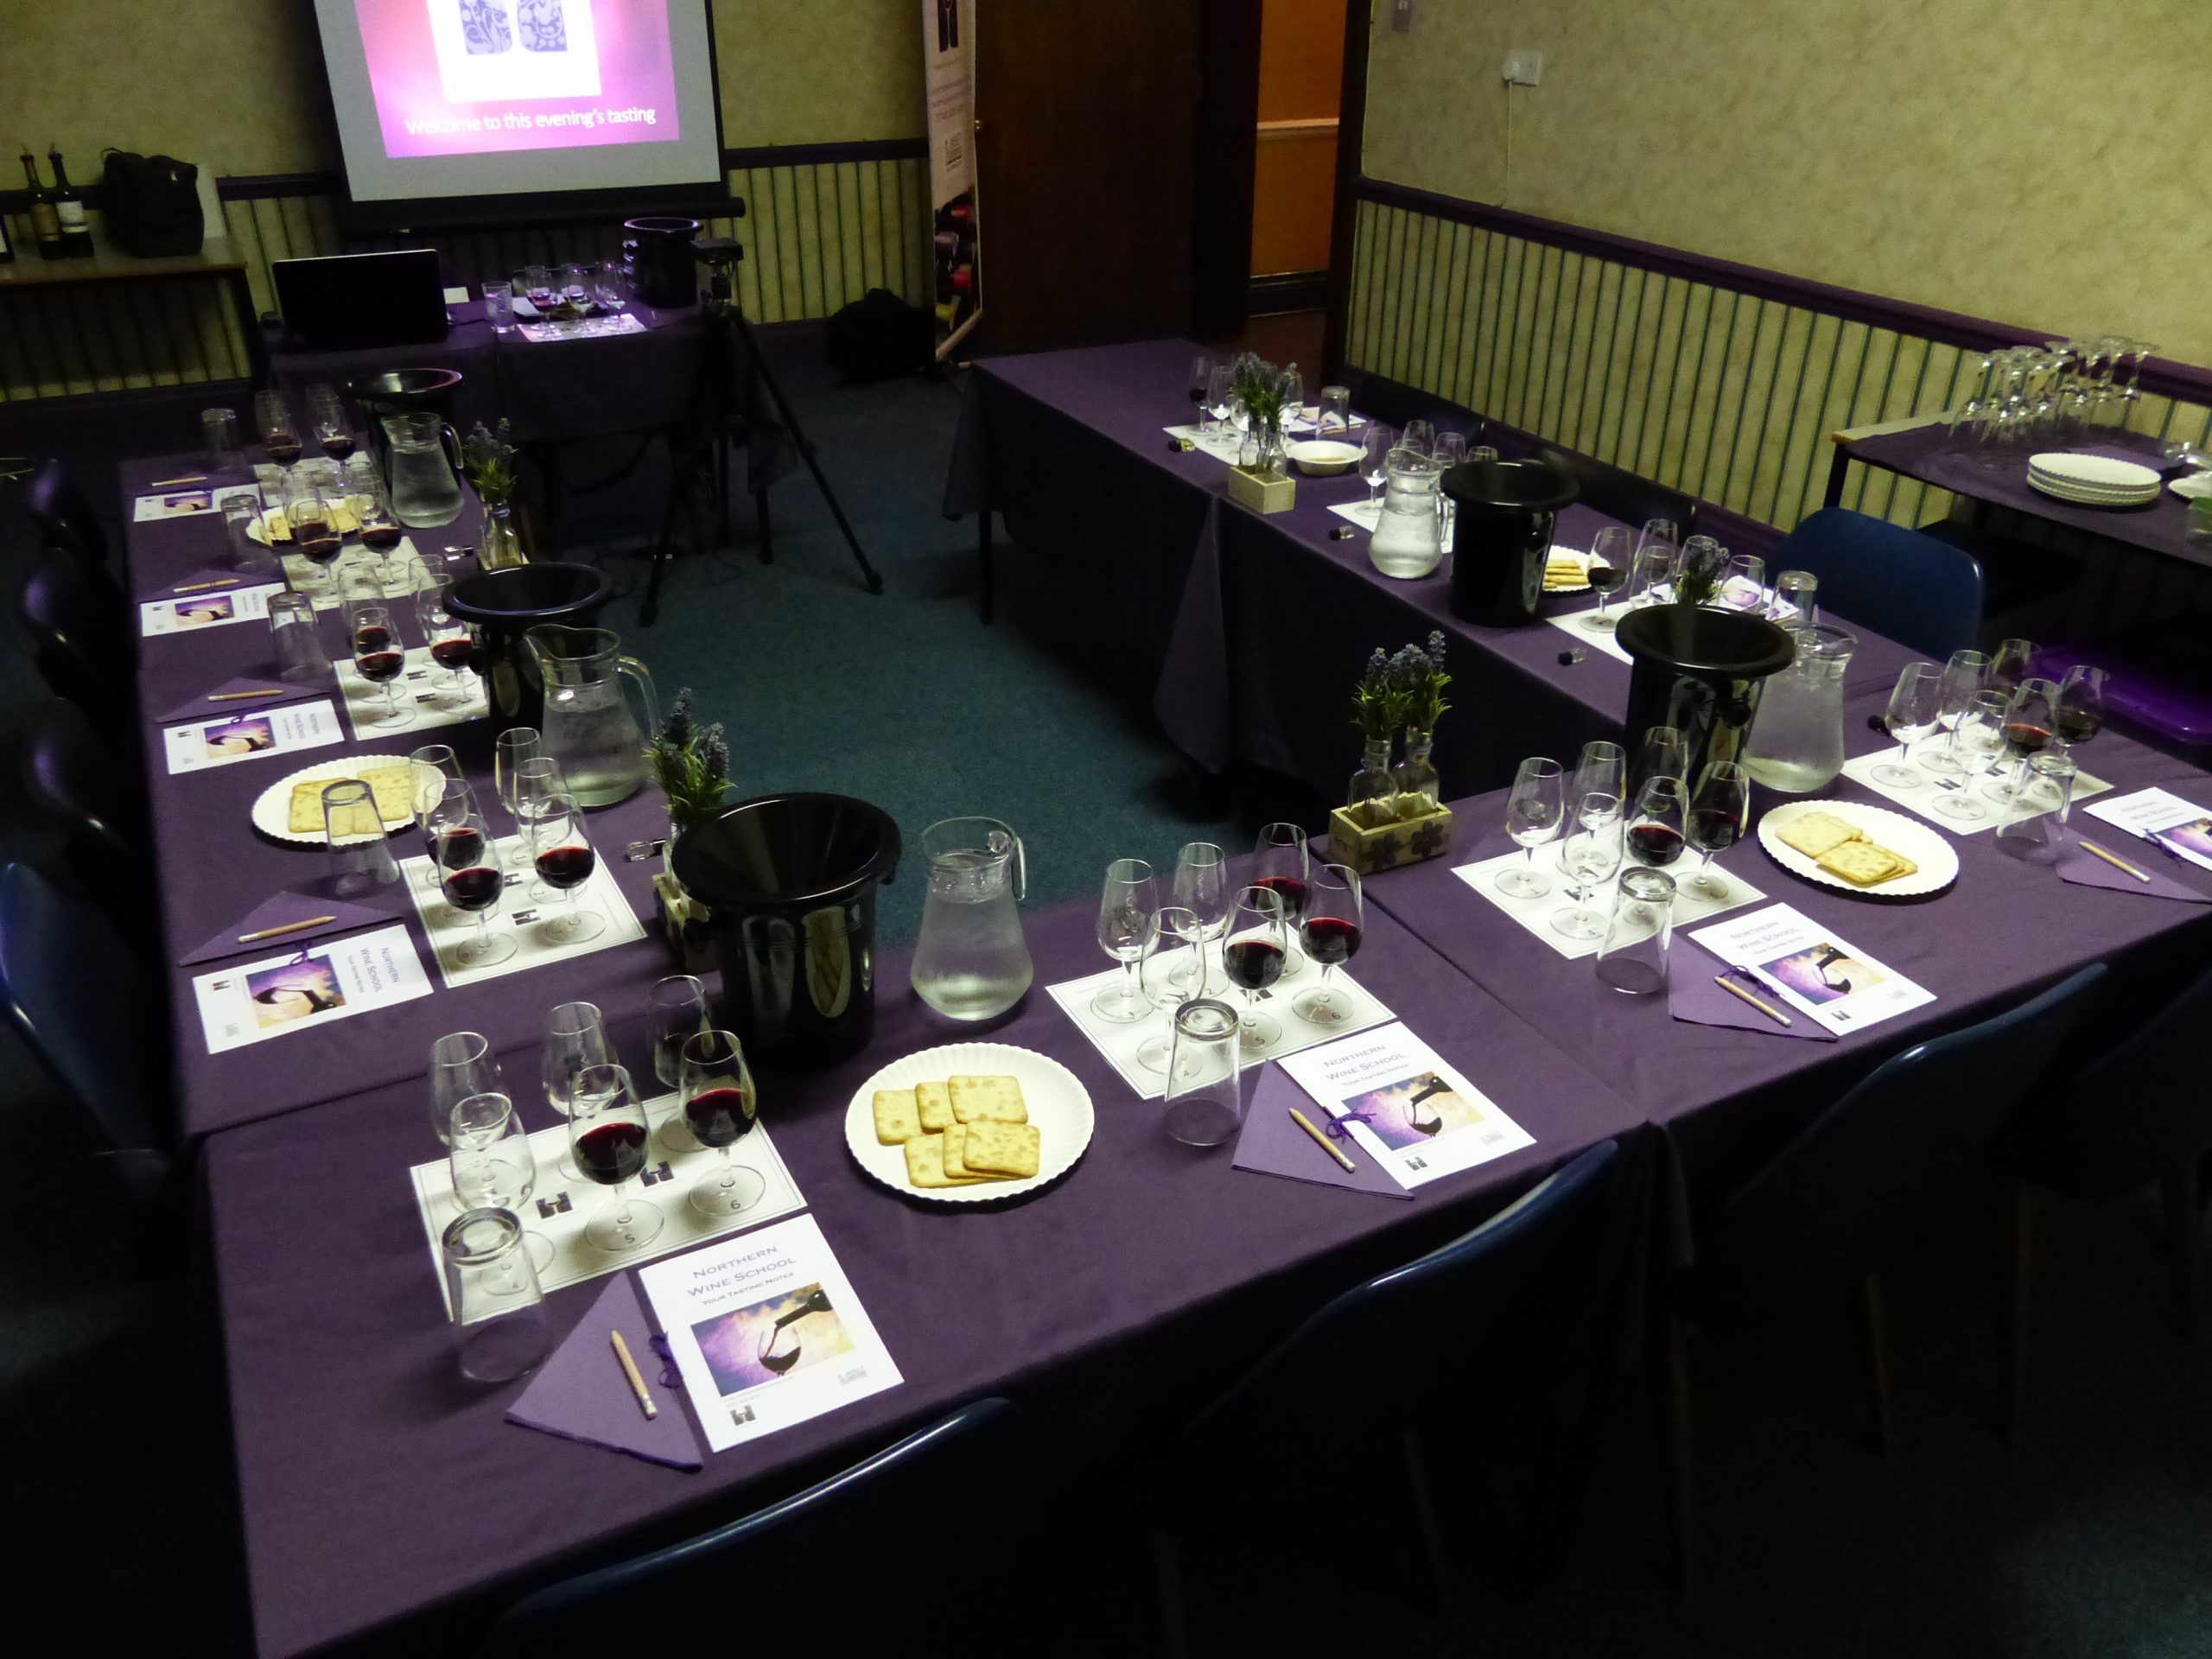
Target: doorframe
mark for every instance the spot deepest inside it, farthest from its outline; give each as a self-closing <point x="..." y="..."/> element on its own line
<point x="1225" y="167"/>
<point x="1351" y="131"/>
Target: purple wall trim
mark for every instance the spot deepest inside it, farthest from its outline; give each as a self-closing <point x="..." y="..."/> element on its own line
<point x="2160" y="375"/>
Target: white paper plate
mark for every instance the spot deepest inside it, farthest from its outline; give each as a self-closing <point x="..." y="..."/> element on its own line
<point x="272" y="810"/>
<point x="1939" y="863"/>
<point x="2082" y="498"/>
<point x="1058" y="1105"/>
<point x="1581" y="558"/>
<point x="2192" y="487"/>
<point x="2098" y="472"/>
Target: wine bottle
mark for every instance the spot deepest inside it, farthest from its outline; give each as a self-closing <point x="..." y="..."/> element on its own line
<point x="45" y="223"/>
<point x="69" y="208"/>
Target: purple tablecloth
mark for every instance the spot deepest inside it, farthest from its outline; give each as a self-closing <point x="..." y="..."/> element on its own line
<point x="1251" y="630"/>
<point x="214" y="867"/>
<point x="374" y="1484"/>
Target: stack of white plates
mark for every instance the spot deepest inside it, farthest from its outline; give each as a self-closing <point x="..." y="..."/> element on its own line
<point x="2092" y="480"/>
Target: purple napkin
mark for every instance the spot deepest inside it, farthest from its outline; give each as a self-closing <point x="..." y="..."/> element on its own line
<point x="295" y="908"/>
<point x="1692" y="996"/>
<point x="1272" y="1144"/>
<point x="581" y="1394"/>
<point x="2086" y="869"/>
<point x="198" y="707"/>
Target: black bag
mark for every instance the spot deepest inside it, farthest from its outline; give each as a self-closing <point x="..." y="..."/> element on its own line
<point x="879" y="337"/>
<point x="152" y="204"/>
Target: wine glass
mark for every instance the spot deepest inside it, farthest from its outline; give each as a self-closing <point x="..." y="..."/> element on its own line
<point x="1602" y="770"/>
<point x="1534" y="809"/>
<point x="2081" y="705"/>
<point x="1916" y="704"/>
<point x="1743" y="587"/>
<point x="1280" y="860"/>
<point x="452" y="647"/>
<point x="1221" y="395"/>
<point x="460" y="1065"/>
<point x="489" y="1155"/>
<point x="2029" y="717"/>
<point x="1201" y="377"/>
<point x="452" y="825"/>
<point x="1202" y="887"/>
<point x="380" y="531"/>
<point x="607" y="1135"/>
<point x="280" y="433"/>
<point x="534" y="781"/>
<point x="1375" y="442"/>
<point x="1962" y="678"/>
<point x="1331" y="926"/>
<point x="1420" y="437"/>
<point x="1128" y="920"/>
<point x="1451" y="449"/>
<point x="509" y="750"/>
<point x="1719" y="812"/>
<point x="1648" y="575"/>
<point x="306" y="515"/>
<point x="1976" y="741"/>
<point x="378" y="658"/>
<point x="2013" y="662"/>
<point x="1656" y="829"/>
<point x="676" y="1009"/>
<point x="1612" y="554"/>
<point x="720" y="1104"/>
<point x="1252" y="957"/>
<point x="1660" y="532"/>
<point x="561" y="848"/>
<point x="1588" y="857"/>
<point x="328" y="410"/>
<point x="1164" y="980"/>
<point x="470" y="874"/>
<point x="1662" y="754"/>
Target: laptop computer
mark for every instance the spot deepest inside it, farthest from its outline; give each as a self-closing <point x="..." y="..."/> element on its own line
<point x="351" y="300"/>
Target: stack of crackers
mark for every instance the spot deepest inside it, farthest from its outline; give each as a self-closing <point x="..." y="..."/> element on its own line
<point x="1844" y="851"/>
<point x="1564" y="569"/>
<point x="961" y="1132"/>
<point x="392" y="785"/>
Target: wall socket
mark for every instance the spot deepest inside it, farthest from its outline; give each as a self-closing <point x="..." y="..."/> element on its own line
<point x="1524" y="67"/>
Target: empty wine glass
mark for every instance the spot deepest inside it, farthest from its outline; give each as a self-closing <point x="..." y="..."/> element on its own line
<point x="560" y="848"/>
<point x="460" y="1065"/>
<point x="608" y="1139"/>
<point x="1719" y="812"/>
<point x="1962" y="678"/>
<point x="1221" y="395"/>
<point x="1202" y="887"/>
<point x="1613" y="552"/>
<point x="1129" y="920"/>
<point x="1252" y="958"/>
<point x="1420" y="437"/>
<point x="1164" y="979"/>
<point x="1915" y="701"/>
<point x="509" y="750"/>
<point x="1334" y="920"/>
<point x="1280" y="860"/>
<point x="469" y="872"/>
<point x="1534" y="810"/>
<point x="1375" y="442"/>
<point x="576" y="1037"/>
<point x="2014" y="661"/>
<point x="489" y="1153"/>
<point x="1588" y="855"/>
<point x="1601" y="770"/>
<point x="720" y="1106"/>
<point x="676" y="1009"/>
<point x="1648" y="575"/>
<point x="1743" y="587"/>
<point x="1662" y="754"/>
<point x="1976" y="741"/>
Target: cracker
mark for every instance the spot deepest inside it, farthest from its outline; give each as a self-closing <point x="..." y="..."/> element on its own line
<point x="988" y="1100"/>
<point x="935" y="1102"/>
<point x="955" y="1158"/>
<point x="307" y="810"/>
<point x="925" y="1163"/>
<point x="1815" y="833"/>
<point x="1005" y="1148"/>
<point x="394" y="789"/>
<point x="1864" y="864"/>
<point x="896" y="1121"/>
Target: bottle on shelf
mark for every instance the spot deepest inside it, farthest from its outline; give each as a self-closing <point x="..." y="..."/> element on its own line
<point x="69" y="208"/>
<point x="45" y="223"/>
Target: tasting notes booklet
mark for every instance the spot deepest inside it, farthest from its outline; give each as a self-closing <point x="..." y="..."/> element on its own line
<point x="1413" y="1115"/>
<point x="333" y="979"/>
<point x="2162" y="816"/>
<point x="767" y="1332"/>
<point x="1836" y="985"/>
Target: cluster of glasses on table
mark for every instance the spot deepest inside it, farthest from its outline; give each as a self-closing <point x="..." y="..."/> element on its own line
<point x="1617" y="826"/>
<point x="1212" y="390"/>
<point x="561" y="292"/>
<point x="2059" y="393"/>
<point x="1165" y="935"/>
<point x="1983" y="709"/>
<point x="1654" y="564"/>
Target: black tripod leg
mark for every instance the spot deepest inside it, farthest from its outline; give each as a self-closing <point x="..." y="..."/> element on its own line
<point x="984" y="564"/>
<point x="873" y="581"/>
<point x="664" y="549"/>
<point x="760" y="513"/>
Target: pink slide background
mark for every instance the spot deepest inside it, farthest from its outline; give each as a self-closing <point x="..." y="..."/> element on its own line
<point x="634" y="72"/>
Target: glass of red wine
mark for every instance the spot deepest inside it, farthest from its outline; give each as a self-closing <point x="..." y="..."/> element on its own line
<point x="453" y="648"/>
<point x="2030" y="718"/>
<point x="1331" y="925"/>
<point x="379" y="658"/>
<point x="451" y="822"/>
<point x="2081" y="705"/>
<point x="280" y="433"/>
<point x="332" y="431"/>
<point x="720" y="1104"/>
<point x="380" y="531"/>
<point x="1719" y="810"/>
<point x="1280" y="862"/>
<point x="1612" y="554"/>
<point x="1253" y="958"/>
<point x="1656" y="829"/>
<point x="609" y="1139"/>
<point x="473" y="880"/>
<point x="562" y="849"/>
<point x="314" y="533"/>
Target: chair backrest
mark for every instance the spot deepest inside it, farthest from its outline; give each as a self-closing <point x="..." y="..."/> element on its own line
<point x="79" y="997"/>
<point x="1441" y="1307"/>
<point x="63" y="513"/>
<point x="1921" y="592"/>
<point x="773" y="1578"/>
<point x="78" y="634"/>
<point x="1620" y="493"/>
<point x="70" y="775"/>
<point x="2130" y="1113"/>
<point x="1878" y="1163"/>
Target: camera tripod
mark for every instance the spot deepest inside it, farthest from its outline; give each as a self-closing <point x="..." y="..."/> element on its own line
<point x="720" y="419"/>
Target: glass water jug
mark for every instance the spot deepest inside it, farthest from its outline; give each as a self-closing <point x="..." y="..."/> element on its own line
<point x="588" y="725"/>
<point x="423" y="455"/>
<point x="971" y="962"/>
<point x="1409" y="539"/>
<point x="1796" y="741"/>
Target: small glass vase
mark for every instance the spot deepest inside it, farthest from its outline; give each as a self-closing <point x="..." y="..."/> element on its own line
<point x="501" y="549"/>
<point x="1417" y="788"/>
<point x="1373" y="791"/>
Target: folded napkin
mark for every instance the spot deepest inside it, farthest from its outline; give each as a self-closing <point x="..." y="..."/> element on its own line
<point x="581" y="1394"/>
<point x="296" y="907"/>
<point x="199" y="707"/>
<point x="1692" y="996"/>
<point x="1272" y="1144"/>
<point x="2085" y="869"/>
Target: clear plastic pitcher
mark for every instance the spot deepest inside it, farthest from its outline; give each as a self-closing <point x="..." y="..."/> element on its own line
<point x="588" y="725"/>
<point x="1409" y="539"/>
<point x="971" y="962"/>
<point x="423" y="455"/>
<point x="1796" y="741"/>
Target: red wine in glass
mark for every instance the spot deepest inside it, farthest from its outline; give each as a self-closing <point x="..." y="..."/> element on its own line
<point x="1330" y="940"/>
<point x="2079" y="725"/>
<point x="1654" y="845"/>
<point x="338" y="445"/>
<point x="456" y="654"/>
<point x="2024" y="738"/>
<point x="719" y="1116"/>
<point x="284" y="448"/>
<point x="380" y="537"/>
<point x="1252" y="964"/>
<point x="457" y="847"/>
<point x="473" y="889"/>
<point x="1712" y="828"/>
<point x="1289" y="889"/>
<point x="377" y="667"/>
<point x="320" y="542"/>
<point x="612" y="1153"/>
<point x="372" y="637"/>
<point x="562" y="867"/>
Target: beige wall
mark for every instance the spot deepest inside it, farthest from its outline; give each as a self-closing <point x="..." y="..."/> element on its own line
<point x="236" y="84"/>
<point x="2034" y="164"/>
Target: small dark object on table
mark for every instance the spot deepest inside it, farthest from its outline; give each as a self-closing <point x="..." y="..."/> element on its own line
<point x="1341" y="533"/>
<point x="1571" y="656"/>
<point x="1180" y="445"/>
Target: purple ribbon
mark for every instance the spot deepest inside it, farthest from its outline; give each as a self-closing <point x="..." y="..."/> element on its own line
<point x="1339" y="1128"/>
<point x="669" y="1377"/>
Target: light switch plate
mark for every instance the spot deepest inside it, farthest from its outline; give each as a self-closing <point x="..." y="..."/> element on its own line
<point x="1524" y="67"/>
<point x="1401" y="16"/>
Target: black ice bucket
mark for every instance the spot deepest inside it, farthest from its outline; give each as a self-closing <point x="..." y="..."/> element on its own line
<point x="501" y="606"/>
<point x="1699" y="671"/>
<point x="789" y="883"/>
<point x="658" y="253"/>
<point x="1501" y="536"/>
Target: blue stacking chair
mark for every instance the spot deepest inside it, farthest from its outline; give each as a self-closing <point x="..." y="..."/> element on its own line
<point x="2135" y="1113"/>
<point x="1431" y="1317"/>
<point x="782" y="1576"/>
<point x="80" y="639"/>
<point x="1824" y="1215"/>
<point x="80" y="998"/>
<point x="72" y="776"/>
<point x="64" y="515"/>
<point x="1920" y="592"/>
